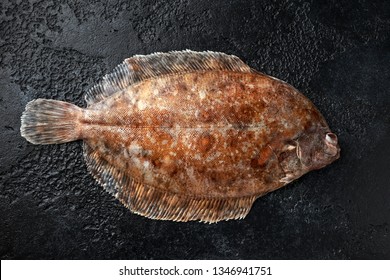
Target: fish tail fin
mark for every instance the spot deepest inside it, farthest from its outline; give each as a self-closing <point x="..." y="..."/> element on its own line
<point x="50" y="122"/>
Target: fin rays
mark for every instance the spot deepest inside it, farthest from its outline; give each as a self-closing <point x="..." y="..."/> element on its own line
<point x="141" y="67"/>
<point x="157" y="204"/>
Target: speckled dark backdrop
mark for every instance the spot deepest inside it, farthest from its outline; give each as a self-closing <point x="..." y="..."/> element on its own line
<point x="338" y="54"/>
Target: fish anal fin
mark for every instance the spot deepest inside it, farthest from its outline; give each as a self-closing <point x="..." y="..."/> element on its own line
<point x="158" y="204"/>
<point x="104" y="173"/>
<point x="141" y="67"/>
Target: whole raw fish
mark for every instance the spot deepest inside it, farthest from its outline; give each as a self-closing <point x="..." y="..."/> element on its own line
<point x="189" y="135"/>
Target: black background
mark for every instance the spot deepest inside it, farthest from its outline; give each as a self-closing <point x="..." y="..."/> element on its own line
<point x="337" y="53"/>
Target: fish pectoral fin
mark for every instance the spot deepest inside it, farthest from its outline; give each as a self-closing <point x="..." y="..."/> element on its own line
<point x="159" y="204"/>
<point x="142" y="67"/>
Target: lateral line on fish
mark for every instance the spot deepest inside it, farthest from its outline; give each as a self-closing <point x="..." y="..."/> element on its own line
<point x="239" y="126"/>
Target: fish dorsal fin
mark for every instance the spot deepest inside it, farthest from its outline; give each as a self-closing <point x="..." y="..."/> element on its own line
<point x="158" y="204"/>
<point x="141" y="67"/>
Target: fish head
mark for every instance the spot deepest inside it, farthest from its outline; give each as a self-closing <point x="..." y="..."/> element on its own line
<point x="317" y="148"/>
<point x="310" y="150"/>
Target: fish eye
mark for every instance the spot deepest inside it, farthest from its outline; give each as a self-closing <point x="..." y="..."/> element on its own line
<point x="331" y="138"/>
<point x="299" y="151"/>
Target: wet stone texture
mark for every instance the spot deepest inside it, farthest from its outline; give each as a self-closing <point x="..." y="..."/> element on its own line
<point x="337" y="54"/>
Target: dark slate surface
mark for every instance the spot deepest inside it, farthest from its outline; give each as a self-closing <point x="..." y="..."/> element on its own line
<point x="337" y="53"/>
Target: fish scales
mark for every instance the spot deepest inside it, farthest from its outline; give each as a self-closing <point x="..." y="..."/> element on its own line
<point x="203" y="130"/>
<point x="190" y="135"/>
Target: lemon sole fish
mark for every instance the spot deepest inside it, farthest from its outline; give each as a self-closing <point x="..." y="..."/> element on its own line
<point x="189" y="135"/>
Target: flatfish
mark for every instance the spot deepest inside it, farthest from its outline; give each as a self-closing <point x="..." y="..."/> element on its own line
<point x="189" y="135"/>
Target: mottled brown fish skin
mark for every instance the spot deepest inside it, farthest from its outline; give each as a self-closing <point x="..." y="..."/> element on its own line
<point x="216" y="134"/>
<point x="188" y="135"/>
